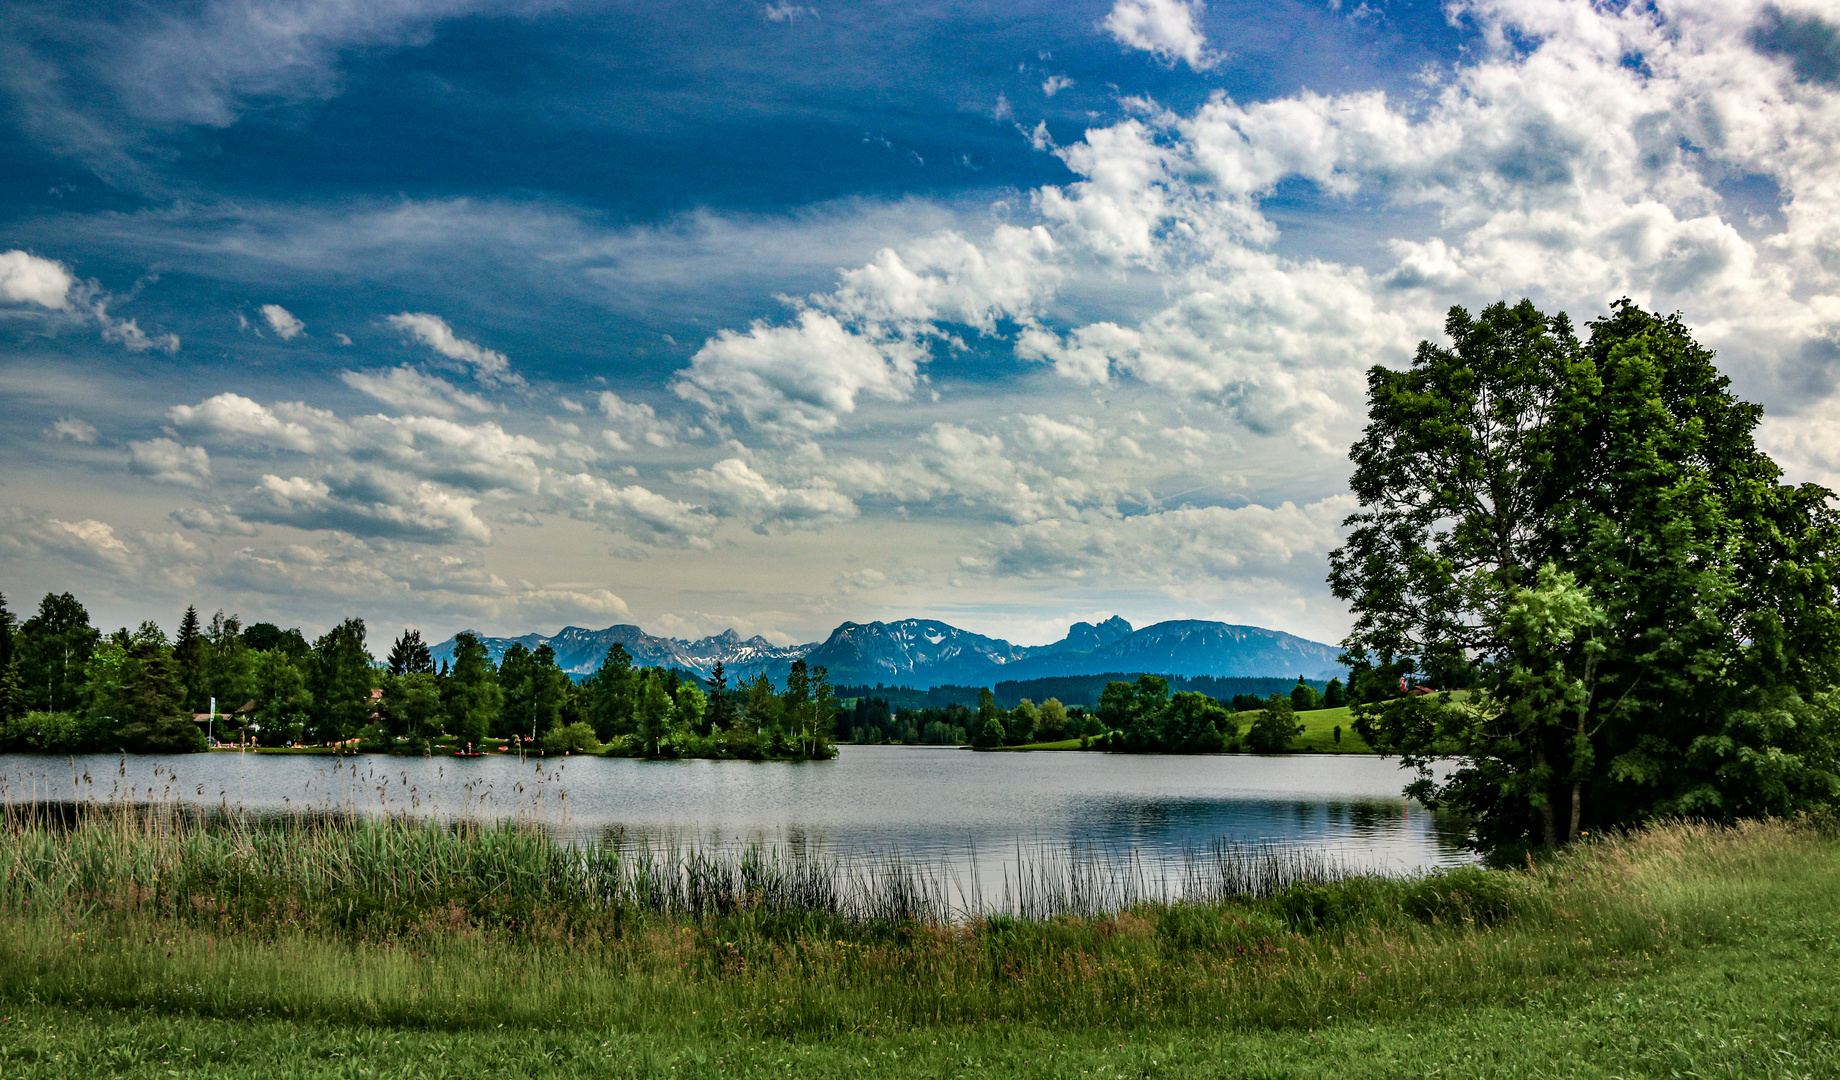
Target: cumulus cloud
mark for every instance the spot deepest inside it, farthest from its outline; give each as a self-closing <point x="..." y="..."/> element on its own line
<point x="368" y="503"/>
<point x="737" y="490"/>
<point x="236" y="419"/>
<point x="1164" y="28"/>
<point x="412" y="389"/>
<point x="283" y="322"/>
<point x="72" y="429"/>
<point x="219" y="522"/>
<point x="489" y="366"/>
<point x="131" y="558"/>
<point x="631" y="510"/>
<point x="44" y="283"/>
<point x="167" y="462"/>
<point x="28" y="279"/>
<point x="1169" y="546"/>
<point x="633" y="420"/>
<point x="800" y="379"/>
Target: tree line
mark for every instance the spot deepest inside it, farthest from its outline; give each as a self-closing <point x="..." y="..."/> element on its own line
<point x="67" y="688"/>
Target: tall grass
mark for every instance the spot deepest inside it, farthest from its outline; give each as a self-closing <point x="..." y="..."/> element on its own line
<point x="395" y="921"/>
<point x="162" y="858"/>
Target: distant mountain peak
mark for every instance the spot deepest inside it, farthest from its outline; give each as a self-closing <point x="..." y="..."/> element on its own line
<point x="926" y="652"/>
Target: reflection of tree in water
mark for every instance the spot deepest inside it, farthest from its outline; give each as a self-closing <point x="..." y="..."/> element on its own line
<point x="1370" y="818"/>
<point x="1452" y="831"/>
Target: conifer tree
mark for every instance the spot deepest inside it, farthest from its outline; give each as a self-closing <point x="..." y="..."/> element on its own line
<point x="190" y="656"/>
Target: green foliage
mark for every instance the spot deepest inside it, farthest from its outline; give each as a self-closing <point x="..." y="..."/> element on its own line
<point x="1020" y="723"/>
<point x="411" y="708"/>
<point x="1304" y="697"/>
<point x="57" y="733"/>
<point x="1274" y="728"/>
<point x="610" y="691"/>
<point x="54" y="647"/>
<point x="340" y="681"/>
<point x="1335" y="695"/>
<point x="267" y="637"/>
<point x="229" y="672"/>
<point x="1587" y="534"/>
<point x="409" y="655"/>
<point x="535" y="690"/>
<point x="191" y="655"/>
<point x="992" y="733"/>
<point x="149" y="701"/>
<point x="1051" y="722"/>
<point x="470" y="693"/>
<point x="284" y="705"/>
<point x="576" y="738"/>
<point x="1197" y="724"/>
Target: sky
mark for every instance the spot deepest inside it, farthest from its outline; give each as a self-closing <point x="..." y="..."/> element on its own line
<point x="516" y="314"/>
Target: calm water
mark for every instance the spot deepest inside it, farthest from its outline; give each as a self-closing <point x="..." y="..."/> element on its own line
<point x="950" y="806"/>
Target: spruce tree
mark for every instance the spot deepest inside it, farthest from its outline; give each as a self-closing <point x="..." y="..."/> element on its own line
<point x="191" y="655"/>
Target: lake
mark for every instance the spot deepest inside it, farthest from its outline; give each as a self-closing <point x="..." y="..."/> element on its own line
<point x="921" y="800"/>
<point x="974" y="814"/>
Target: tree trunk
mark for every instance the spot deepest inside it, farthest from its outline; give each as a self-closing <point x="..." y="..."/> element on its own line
<point x="1549" y="824"/>
<point x="1577" y="807"/>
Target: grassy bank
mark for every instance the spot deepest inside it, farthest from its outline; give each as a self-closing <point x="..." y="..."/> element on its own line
<point x="1318" y="735"/>
<point x="152" y="946"/>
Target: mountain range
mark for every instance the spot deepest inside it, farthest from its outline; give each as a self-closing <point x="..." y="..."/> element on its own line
<point x="923" y="653"/>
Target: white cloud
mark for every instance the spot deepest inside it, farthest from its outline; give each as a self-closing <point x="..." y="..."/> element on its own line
<point x="31" y="279"/>
<point x="1054" y="84"/>
<point x="369" y="503"/>
<point x="219" y="522"/>
<point x="283" y="322"/>
<point x="288" y="426"/>
<point x="28" y="279"/>
<point x="634" y="419"/>
<point x="72" y="429"/>
<point x="1165" y="28"/>
<point x="1168" y="547"/>
<point x="127" y="334"/>
<point x="632" y="510"/>
<point x="137" y="560"/>
<point x="410" y="388"/>
<point x="489" y="366"/>
<point x="167" y="462"/>
<point x="737" y="490"/>
<point x="800" y="379"/>
<point x="787" y="12"/>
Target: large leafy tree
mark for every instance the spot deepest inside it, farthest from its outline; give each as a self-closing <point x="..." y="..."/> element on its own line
<point x="471" y="692"/>
<point x="283" y="704"/>
<point x="1586" y="532"/>
<point x="149" y="701"/>
<point x="610" y="694"/>
<point x="535" y="690"/>
<point x="340" y="682"/>
<point x="54" y="647"/>
<point x="13" y="697"/>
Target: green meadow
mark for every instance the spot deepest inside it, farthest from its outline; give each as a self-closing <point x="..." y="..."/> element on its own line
<point x="175" y="947"/>
<point x="1318" y="735"/>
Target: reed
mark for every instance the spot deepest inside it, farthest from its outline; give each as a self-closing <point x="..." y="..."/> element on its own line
<point x="162" y="858"/>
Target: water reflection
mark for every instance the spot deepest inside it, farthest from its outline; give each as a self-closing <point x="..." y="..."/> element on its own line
<point x="971" y="812"/>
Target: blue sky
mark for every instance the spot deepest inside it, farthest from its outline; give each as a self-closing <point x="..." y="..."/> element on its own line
<point x="509" y="315"/>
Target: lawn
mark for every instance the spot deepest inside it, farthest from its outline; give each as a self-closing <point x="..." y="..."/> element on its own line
<point x="1318" y="734"/>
